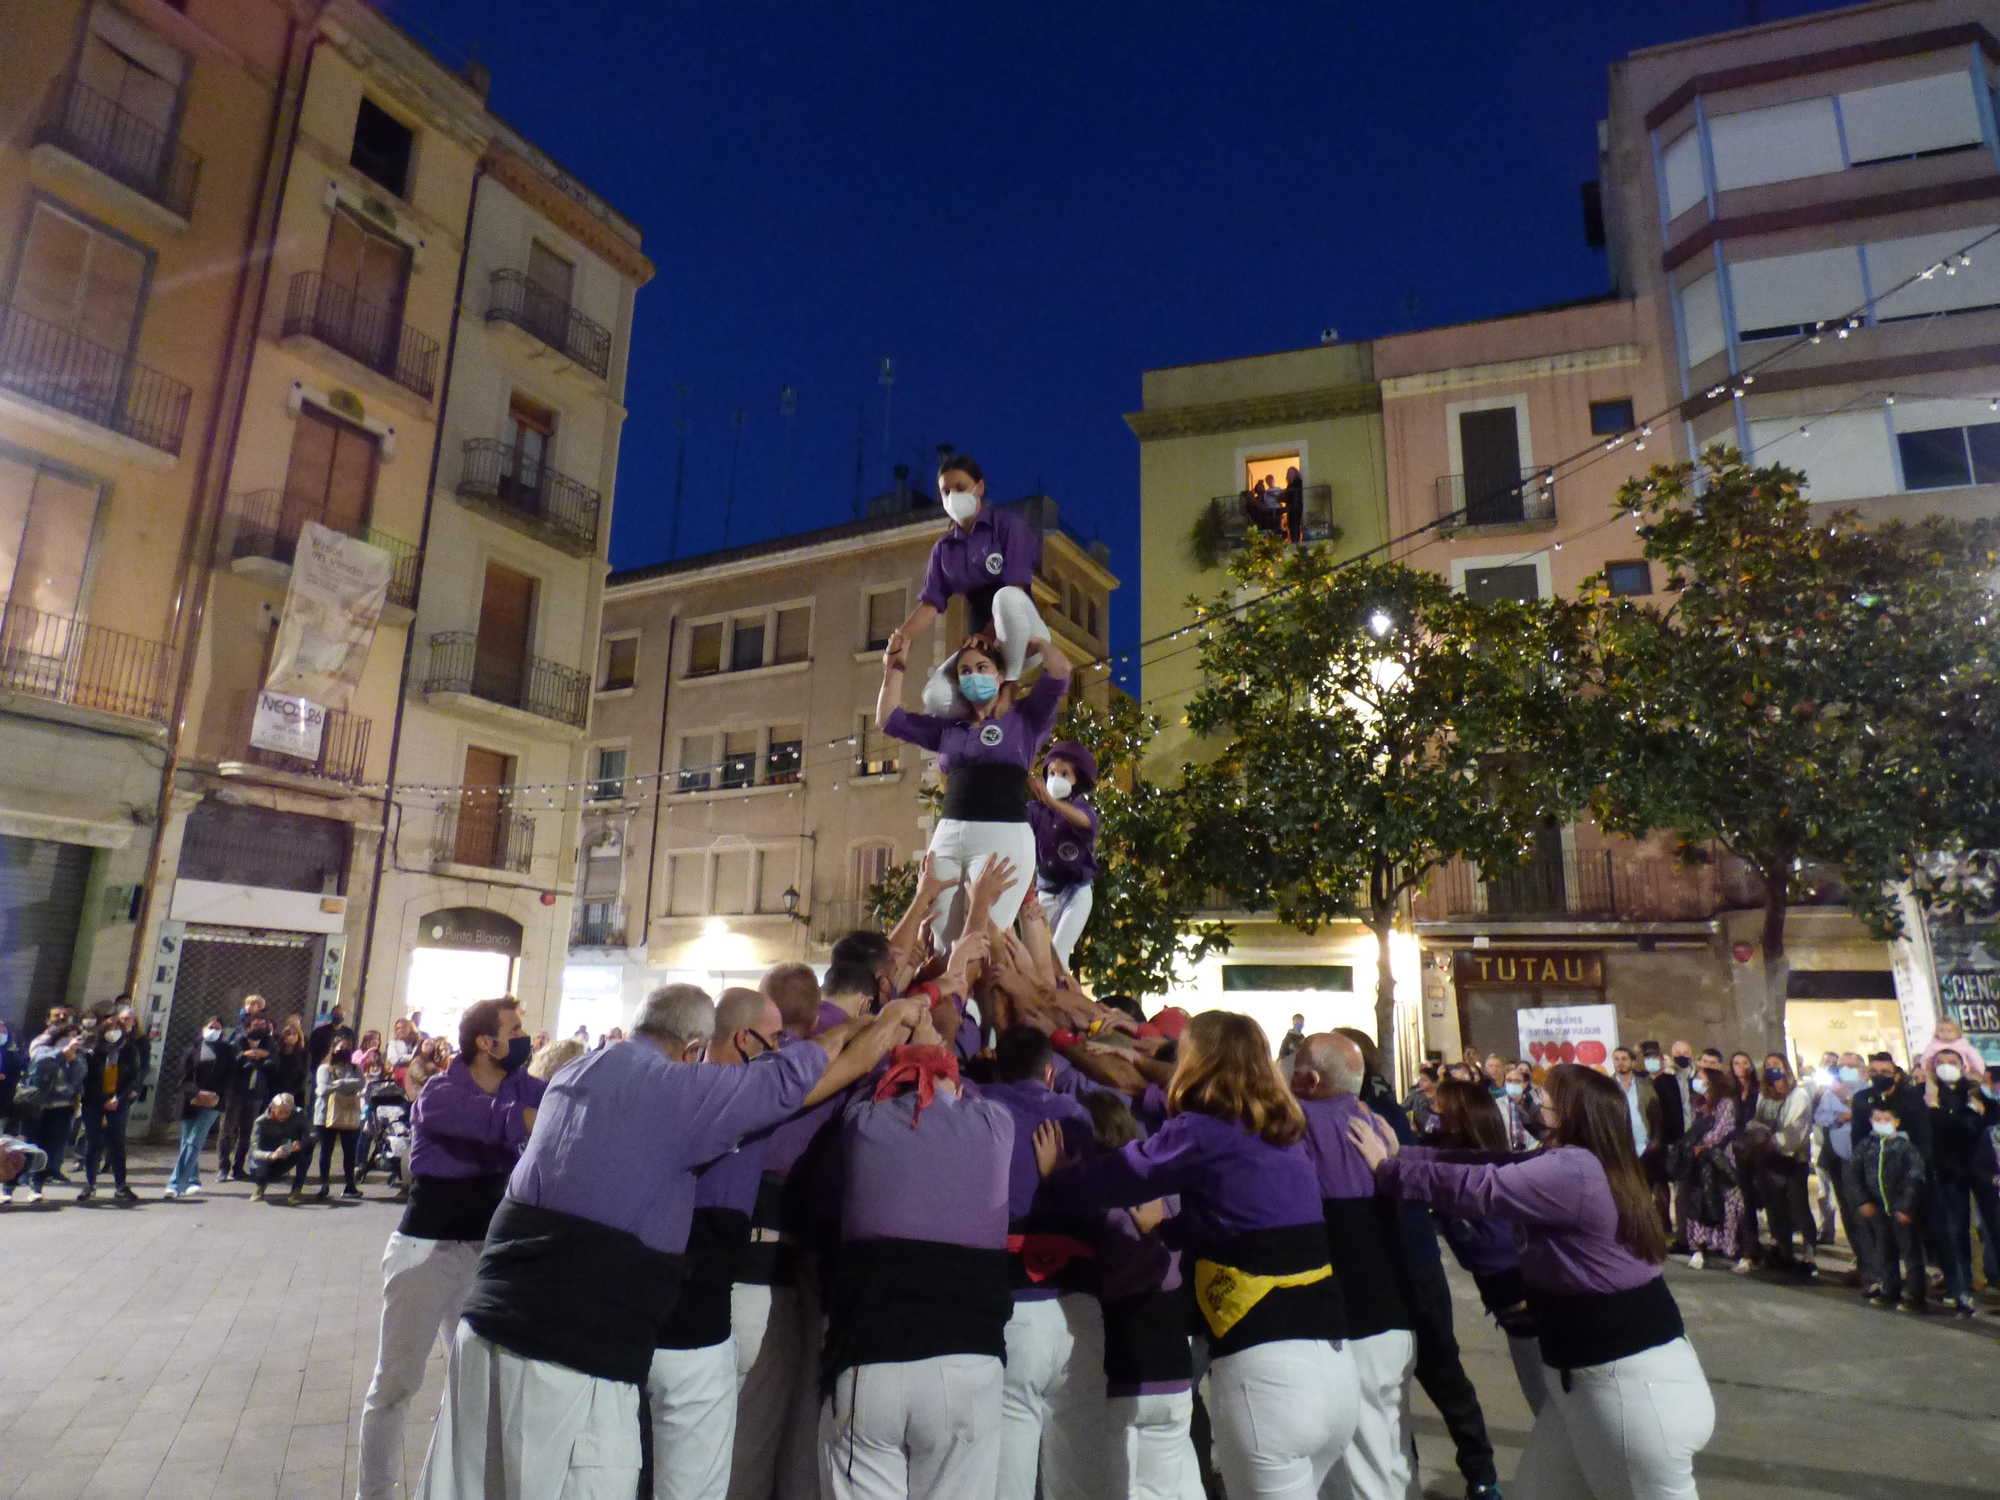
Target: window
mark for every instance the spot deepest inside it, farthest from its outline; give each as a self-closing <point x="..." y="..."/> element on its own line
<point x="794" y="641"/>
<point x="1775" y="144"/>
<point x="746" y="643"/>
<point x="1781" y="296"/>
<point x="705" y="649"/>
<point x="331" y="477"/>
<point x="1845" y="455"/>
<point x="1629" y="577"/>
<point x="381" y="148"/>
<point x="86" y="282"/>
<point x="506" y="626"/>
<point x="552" y="276"/>
<point x="1958" y="288"/>
<point x="1489" y="450"/>
<point x="531" y="432"/>
<point x="1074" y="605"/>
<point x="1338" y="978"/>
<point x="360" y="306"/>
<point x="687" y="876"/>
<point x="877" y="754"/>
<point x="885" y="613"/>
<point x="777" y="871"/>
<point x="1701" y="320"/>
<point x="786" y="754"/>
<point x="1090" y="608"/>
<point x="1518" y="581"/>
<point x="134" y="86"/>
<point x="1272" y="469"/>
<point x="732" y="882"/>
<point x="621" y="662"/>
<point x="871" y="864"/>
<point x="697" y="762"/>
<point x="1916" y="117"/>
<point x="739" y="757"/>
<point x="609" y="785"/>
<point x="1944" y="456"/>
<point x="484" y="836"/>
<point x="1608" y="418"/>
<point x="45" y="526"/>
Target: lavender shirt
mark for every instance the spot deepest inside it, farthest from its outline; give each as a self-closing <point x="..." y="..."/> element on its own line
<point x="830" y="1016"/>
<point x="457" y="1129"/>
<point x="622" y="1130"/>
<point x="1133" y="1264"/>
<point x="1559" y="1196"/>
<point x="1030" y="1102"/>
<point x="731" y="1181"/>
<point x="1230" y="1182"/>
<point x="1336" y="1160"/>
<point x="1065" y="855"/>
<point x="1000" y="549"/>
<point x="944" y="1180"/>
<point x="1014" y="738"/>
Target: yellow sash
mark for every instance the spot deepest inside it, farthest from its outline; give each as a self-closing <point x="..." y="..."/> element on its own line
<point x="1226" y="1294"/>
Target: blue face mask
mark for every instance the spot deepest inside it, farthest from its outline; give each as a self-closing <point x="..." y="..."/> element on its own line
<point x="1850" y="1075"/>
<point x="1516" y="1090"/>
<point x="979" y="687"/>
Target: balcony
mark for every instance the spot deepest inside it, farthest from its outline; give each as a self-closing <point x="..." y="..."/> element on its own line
<point x="262" y="526"/>
<point x="598" y="924"/>
<point x="830" y="921"/>
<point x="374" y="336"/>
<point x="549" y="319"/>
<point x="83" y="666"/>
<point x="1528" y="499"/>
<point x="68" y="373"/>
<point x="343" y="747"/>
<point x="1597" y="885"/>
<point x="520" y="489"/>
<point x="109" y="139"/>
<point x="1225" y="525"/>
<point x="546" y="689"/>
<point x="482" y="835"/>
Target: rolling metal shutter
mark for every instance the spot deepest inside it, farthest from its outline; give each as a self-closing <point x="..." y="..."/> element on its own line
<point x="41" y="906"/>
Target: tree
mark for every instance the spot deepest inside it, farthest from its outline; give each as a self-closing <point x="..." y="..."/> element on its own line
<point x="1812" y="692"/>
<point x="1376" y="724"/>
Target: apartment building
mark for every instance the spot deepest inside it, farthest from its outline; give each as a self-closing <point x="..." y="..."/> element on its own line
<point x="741" y="799"/>
<point x="136" y="142"/>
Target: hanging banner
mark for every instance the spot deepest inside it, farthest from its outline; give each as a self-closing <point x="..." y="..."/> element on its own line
<point x="1552" y="1034"/>
<point x="288" y="726"/>
<point x="1967" y="959"/>
<point x="339" y="585"/>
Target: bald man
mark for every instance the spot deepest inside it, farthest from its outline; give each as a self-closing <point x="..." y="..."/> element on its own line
<point x="1327" y="1076"/>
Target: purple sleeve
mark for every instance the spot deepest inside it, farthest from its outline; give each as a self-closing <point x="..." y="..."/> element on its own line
<point x="935" y="593"/>
<point x="1039" y="708"/>
<point x="469" y="1114"/>
<point x="922" y="730"/>
<point x="1022" y="548"/>
<point x="1160" y="1165"/>
<point x="1546" y="1188"/>
<point x="731" y="1103"/>
<point x="966" y="1042"/>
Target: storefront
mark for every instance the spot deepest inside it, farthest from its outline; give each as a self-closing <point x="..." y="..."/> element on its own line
<point x="463" y="954"/>
<point x="1843" y="1010"/>
<point x="1494" y="984"/>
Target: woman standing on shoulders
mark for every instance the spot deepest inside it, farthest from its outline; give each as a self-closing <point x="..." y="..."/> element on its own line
<point x="1628" y="1406"/>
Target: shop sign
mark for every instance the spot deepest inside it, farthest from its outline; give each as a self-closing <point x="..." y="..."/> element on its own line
<point x="1553" y="968"/>
<point x="470" y="927"/>
<point x="1554" y="1034"/>
<point x="1967" y="958"/>
<point x="288" y="726"/>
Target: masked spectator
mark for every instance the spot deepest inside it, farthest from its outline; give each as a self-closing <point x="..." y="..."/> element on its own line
<point x="111" y="1082"/>
<point x="207" y="1073"/>
<point x="337" y="1115"/>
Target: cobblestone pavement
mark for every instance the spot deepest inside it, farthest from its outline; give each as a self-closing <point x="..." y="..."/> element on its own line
<point x="219" y="1350"/>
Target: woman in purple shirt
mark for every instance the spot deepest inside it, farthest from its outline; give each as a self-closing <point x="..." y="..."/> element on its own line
<point x="1283" y="1392"/>
<point x="985" y="758"/>
<point x="1628" y="1406"/>
<point x="1065" y="827"/>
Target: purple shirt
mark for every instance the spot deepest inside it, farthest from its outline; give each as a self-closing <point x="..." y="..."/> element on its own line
<point x="1014" y="738"/>
<point x="944" y="1180"/>
<point x="1133" y="1264"/>
<point x="1230" y="1182"/>
<point x="622" y="1130"/>
<point x="1030" y="1102"/>
<point x="1065" y="855"/>
<point x="999" y="549"/>
<point x="1559" y="1196"/>
<point x="1073" y="1083"/>
<point x="1336" y="1160"/>
<point x="830" y="1016"/>
<point x="731" y="1181"/>
<point x="457" y="1129"/>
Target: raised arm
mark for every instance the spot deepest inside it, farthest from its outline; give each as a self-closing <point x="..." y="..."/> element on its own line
<point x="1075" y="816"/>
<point x="889" y="697"/>
<point x="906" y="945"/>
<point x="920" y="620"/>
<point x="1546" y="1188"/>
<point x="863" y="1043"/>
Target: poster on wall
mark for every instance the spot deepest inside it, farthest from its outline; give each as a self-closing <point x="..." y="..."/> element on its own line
<point x="1966" y="957"/>
<point x="288" y="726"/>
<point x="339" y="585"/>
<point x="1552" y="1034"/>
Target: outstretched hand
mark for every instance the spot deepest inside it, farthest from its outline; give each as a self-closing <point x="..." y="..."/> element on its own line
<point x="1049" y="1153"/>
<point x="997" y="877"/>
<point x="1373" y="1139"/>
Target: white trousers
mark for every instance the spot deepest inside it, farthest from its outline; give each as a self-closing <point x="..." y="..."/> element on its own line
<point x="928" y="1429"/>
<point x="959" y="851"/>
<point x="1283" y="1414"/>
<point x="1627" y="1430"/>
<point x="692" y="1397"/>
<point x="1529" y="1370"/>
<point x="1068" y="912"/>
<point x="1377" y="1464"/>
<point x="525" y="1429"/>
<point x="1016" y="621"/>
<point x="749" y="1316"/>
<point x="1052" y="1413"/>
<point x="764" y="1401"/>
<point x="424" y="1283"/>
<point x="1149" y="1455"/>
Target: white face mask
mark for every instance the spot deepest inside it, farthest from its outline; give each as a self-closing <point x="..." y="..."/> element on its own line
<point x="961" y="505"/>
<point x="1883" y="1127"/>
<point x="1946" y="1073"/>
<point x="1699" y="1085"/>
<point x="1060" y="787"/>
<point x="1652" y="1065"/>
<point x="113" y="1035"/>
<point x="212" y="1034"/>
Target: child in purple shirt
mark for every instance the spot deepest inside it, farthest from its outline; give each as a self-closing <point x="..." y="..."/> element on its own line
<point x="1065" y="827"/>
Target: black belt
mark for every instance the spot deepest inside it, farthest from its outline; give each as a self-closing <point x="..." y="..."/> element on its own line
<point x="452" y="1208"/>
<point x="985" y="793"/>
<point x="1146" y="1340"/>
<point x="717" y="1238"/>
<point x="895" y="1301"/>
<point x="1581" y="1329"/>
<point x="1364" y="1237"/>
<point x="1310" y="1310"/>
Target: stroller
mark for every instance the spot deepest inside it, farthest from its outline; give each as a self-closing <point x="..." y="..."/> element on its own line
<point x="385" y="1133"/>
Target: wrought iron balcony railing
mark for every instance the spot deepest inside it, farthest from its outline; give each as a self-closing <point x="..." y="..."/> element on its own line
<point x="101" y="133"/>
<point x="47" y="363"/>
<point x="517" y="300"/>
<point x="598" y="924"/>
<point x="67" y="661"/>
<point x="343" y="745"/>
<point x="266" y="523"/>
<point x="376" y="336"/>
<point x="531" y="683"/>
<point x="480" y="832"/>
<point x="1602" y="884"/>
<point x="1232" y="518"/>
<point x="503" y="476"/>
<point x="1485" y="501"/>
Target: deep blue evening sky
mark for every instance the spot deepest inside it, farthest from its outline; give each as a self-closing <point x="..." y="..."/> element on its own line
<point x="1025" y="205"/>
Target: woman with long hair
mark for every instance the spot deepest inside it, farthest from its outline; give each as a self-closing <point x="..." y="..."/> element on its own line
<point x="1283" y="1393"/>
<point x="1718" y="1116"/>
<point x="1628" y="1405"/>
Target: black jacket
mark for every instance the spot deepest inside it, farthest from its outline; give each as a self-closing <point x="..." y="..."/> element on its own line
<point x="1890" y="1174"/>
<point x="1673" y="1118"/>
<point x="289" y="1072"/>
<point x="270" y="1134"/>
<point x="208" y="1067"/>
<point x="1958" y="1131"/>
<point x="124" y="1055"/>
<point x="255" y="1075"/>
<point x="1908" y="1100"/>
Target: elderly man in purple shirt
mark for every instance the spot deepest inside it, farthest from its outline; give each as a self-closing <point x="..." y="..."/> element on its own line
<point x="586" y="1255"/>
<point x="467" y="1131"/>
<point x="989" y="557"/>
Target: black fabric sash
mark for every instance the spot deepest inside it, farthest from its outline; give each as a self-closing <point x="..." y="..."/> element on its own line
<point x="987" y="794"/>
<point x="1049" y="1236"/>
<point x="555" y="1287"/>
<point x="1581" y="1329"/>
<point x="1313" y="1311"/>
<point x="452" y="1208"/>
<point x="766" y="1261"/>
<point x="717" y="1238"/>
<point x="893" y="1301"/>
<point x="1146" y="1340"/>
<point x="1364" y="1237"/>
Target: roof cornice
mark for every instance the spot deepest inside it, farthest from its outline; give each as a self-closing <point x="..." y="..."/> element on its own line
<point x="1255" y="411"/>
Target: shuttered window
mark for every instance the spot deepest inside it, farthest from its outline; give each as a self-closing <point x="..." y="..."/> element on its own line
<point x="1701" y="319"/>
<point x="1954" y="288"/>
<point x="46" y="522"/>
<point x="697" y="757"/>
<point x="1680" y="164"/>
<point x="1912" y="117"/>
<point x="794" y="642"/>
<point x="1776" y="144"/>
<point x="41" y="906"/>
<point x="885" y="613"/>
<point x="1783" y="295"/>
<point x="732" y="882"/>
<point x="705" y="649"/>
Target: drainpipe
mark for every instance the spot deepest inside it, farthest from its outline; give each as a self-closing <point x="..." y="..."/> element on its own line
<point x="191" y="591"/>
<point x="416" y="605"/>
<point x="659" y="793"/>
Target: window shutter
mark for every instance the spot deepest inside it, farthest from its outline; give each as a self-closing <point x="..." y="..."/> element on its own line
<point x="1912" y="116"/>
<point x="794" y="634"/>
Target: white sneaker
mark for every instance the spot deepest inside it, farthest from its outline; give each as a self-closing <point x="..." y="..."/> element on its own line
<point x="1744" y="1267"/>
<point x="1696" y="1261"/>
<point x="6" y="1196"/>
<point x="190" y="1190"/>
<point x="170" y="1193"/>
<point x="28" y="1195"/>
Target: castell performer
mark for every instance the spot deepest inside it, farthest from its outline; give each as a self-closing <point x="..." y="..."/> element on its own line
<point x="1065" y="827"/>
<point x="468" y="1127"/>
<point x="989" y="557"/>
<point x="1628" y="1406"/>
<point x="985" y="758"/>
<point x="587" y="1253"/>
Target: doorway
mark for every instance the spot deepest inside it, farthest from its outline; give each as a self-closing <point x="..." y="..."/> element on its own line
<point x="481" y="837"/>
<point x="506" y="622"/>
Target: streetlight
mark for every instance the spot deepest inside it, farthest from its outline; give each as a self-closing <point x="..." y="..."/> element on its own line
<point x="1380" y="623"/>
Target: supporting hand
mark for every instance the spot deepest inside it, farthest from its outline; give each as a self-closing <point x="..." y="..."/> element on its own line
<point x="1049" y="1153"/>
